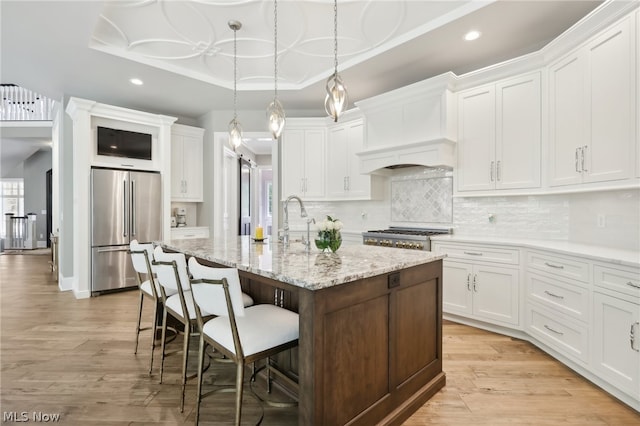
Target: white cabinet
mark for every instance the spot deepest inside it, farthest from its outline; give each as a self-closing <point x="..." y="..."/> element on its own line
<point x="303" y="163"/>
<point x="189" y="232"/>
<point x="593" y="110"/>
<point x="499" y="135"/>
<point x="558" y="303"/>
<point x="616" y="326"/>
<point x="616" y="342"/>
<point x="186" y="163"/>
<point x="344" y="180"/>
<point x="481" y="289"/>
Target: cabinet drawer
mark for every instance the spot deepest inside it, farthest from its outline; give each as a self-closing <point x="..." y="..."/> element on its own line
<point x="189" y="233"/>
<point x="480" y="253"/>
<point x="625" y="281"/>
<point x="566" y="337"/>
<point x="558" y="265"/>
<point x="562" y="296"/>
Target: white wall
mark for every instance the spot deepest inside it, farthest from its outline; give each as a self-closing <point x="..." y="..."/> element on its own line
<point x="35" y="190"/>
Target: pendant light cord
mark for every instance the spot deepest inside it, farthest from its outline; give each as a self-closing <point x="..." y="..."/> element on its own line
<point x="335" y="35"/>
<point x="235" y="78"/>
<point x="275" y="42"/>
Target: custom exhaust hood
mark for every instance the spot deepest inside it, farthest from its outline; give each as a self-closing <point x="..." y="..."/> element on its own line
<point x="413" y="125"/>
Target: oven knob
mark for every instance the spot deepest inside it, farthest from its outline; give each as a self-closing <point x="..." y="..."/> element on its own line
<point x="411" y="245"/>
<point x="420" y="246"/>
<point x="399" y="244"/>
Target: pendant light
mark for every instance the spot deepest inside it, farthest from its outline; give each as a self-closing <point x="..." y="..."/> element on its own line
<point x="337" y="99"/>
<point x="235" y="129"/>
<point x="275" y="111"/>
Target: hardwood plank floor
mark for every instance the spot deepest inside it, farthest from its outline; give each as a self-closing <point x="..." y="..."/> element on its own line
<point x="75" y="358"/>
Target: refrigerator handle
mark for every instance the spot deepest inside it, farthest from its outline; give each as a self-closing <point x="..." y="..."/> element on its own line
<point x="124" y="209"/>
<point x="133" y="207"/>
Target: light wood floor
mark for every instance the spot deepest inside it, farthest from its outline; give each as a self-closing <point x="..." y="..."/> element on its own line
<point x="75" y="358"/>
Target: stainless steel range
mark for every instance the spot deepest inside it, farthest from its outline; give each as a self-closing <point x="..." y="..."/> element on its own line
<point x="400" y="237"/>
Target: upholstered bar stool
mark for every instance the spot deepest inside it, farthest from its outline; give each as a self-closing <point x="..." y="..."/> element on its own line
<point x="142" y="259"/>
<point x="244" y="335"/>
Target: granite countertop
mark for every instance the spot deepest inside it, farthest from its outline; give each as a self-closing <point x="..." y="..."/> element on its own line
<point x="599" y="253"/>
<point x="293" y="265"/>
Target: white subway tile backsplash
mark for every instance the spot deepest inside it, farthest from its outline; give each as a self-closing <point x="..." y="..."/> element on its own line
<point x="565" y="217"/>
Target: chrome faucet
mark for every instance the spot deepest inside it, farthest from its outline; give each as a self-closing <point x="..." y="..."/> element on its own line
<point x="285" y="225"/>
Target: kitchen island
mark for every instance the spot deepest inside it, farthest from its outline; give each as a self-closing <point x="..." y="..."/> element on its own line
<point x="370" y="346"/>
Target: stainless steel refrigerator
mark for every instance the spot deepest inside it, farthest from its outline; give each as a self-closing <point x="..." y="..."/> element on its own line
<point x="125" y="205"/>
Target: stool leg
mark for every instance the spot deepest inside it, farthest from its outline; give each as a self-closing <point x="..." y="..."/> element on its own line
<point x="185" y="358"/>
<point x="153" y="334"/>
<point x="135" y="351"/>
<point x="200" y="374"/>
<point x="164" y="340"/>
<point x="239" y="388"/>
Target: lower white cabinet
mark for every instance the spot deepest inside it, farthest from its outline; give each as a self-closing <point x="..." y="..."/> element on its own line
<point x="481" y="282"/>
<point x="485" y="292"/>
<point x="191" y="232"/>
<point x="616" y="342"/>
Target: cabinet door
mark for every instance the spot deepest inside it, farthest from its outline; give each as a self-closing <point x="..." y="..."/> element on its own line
<point x="177" y="167"/>
<point x="566" y="119"/>
<point x="476" y="139"/>
<point x="495" y="294"/>
<point x="292" y="162"/>
<point x="456" y="287"/>
<point x="192" y="168"/>
<point x="611" y="74"/>
<point x="518" y="133"/>
<point x="616" y="342"/>
<point x="314" y="163"/>
<point x="359" y="185"/>
<point x="337" y="162"/>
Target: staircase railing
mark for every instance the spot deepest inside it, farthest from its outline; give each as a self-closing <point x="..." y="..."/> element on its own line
<point x="19" y="104"/>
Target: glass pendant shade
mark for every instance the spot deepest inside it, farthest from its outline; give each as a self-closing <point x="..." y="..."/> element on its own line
<point x="337" y="98"/>
<point x="235" y="134"/>
<point x="276" y="118"/>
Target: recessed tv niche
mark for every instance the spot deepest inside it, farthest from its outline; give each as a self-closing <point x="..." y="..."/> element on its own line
<point x="124" y="143"/>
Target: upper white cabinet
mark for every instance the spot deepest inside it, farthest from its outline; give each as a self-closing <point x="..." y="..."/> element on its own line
<point x="186" y="163"/>
<point x="592" y="110"/>
<point x="344" y="180"/>
<point x="499" y="135"/>
<point x="303" y="162"/>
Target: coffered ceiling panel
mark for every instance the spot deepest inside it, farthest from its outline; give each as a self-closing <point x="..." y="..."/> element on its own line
<point x="194" y="39"/>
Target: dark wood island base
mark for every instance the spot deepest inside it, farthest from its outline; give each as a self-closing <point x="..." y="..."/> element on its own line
<point x="370" y="350"/>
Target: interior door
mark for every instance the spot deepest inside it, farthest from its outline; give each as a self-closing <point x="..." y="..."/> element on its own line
<point x="244" y="185"/>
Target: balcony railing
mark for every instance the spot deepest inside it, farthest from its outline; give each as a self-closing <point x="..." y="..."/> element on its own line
<point x="19" y="104"/>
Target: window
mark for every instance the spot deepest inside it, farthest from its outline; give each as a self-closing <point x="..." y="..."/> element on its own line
<point x="11" y="200"/>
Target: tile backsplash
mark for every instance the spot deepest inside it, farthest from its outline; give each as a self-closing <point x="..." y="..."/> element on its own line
<point x="564" y="217"/>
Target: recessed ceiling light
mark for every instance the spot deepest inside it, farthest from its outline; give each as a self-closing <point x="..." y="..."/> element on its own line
<point x="472" y="35"/>
<point x="136" y="81"/>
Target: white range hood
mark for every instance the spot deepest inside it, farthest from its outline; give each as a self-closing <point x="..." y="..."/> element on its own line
<point x="413" y="125"/>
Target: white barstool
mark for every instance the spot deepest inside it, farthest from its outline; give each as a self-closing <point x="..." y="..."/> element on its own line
<point x="244" y="335"/>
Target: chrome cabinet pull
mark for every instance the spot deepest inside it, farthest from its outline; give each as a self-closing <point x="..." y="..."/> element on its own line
<point x="632" y="336"/>
<point x="473" y="253"/>
<point x="348" y="183"/>
<point x="553" y="295"/>
<point x="491" y="170"/>
<point x="475" y="282"/>
<point x="631" y="284"/>
<point x="584" y="150"/>
<point x="551" y="265"/>
<point x="468" y="282"/>
<point x="498" y="171"/>
<point x="577" y="155"/>
<point x="553" y="331"/>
